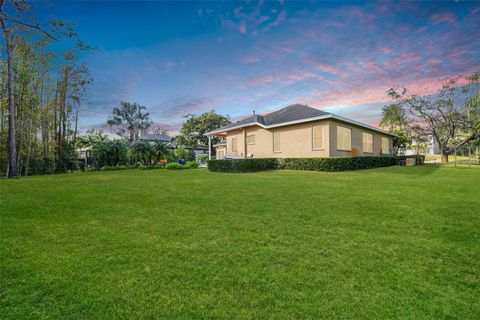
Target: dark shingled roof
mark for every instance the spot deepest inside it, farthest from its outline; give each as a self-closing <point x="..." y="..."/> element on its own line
<point x="156" y="137"/>
<point x="291" y="113"/>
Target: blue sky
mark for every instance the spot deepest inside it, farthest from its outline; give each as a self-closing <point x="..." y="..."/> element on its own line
<point x="234" y="57"/>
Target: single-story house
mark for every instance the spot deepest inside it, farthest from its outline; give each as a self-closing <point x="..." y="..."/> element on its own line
<point x="299" y="131"/>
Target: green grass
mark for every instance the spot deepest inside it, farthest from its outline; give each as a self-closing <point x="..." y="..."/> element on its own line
<point x="398" y="242"/>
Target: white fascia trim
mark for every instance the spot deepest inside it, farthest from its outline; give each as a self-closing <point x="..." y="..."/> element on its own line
<point x="328" y="116"/>
<point x="334" y="116"/>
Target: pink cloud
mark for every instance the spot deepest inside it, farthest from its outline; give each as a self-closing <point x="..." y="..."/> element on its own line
<point x="326" y="68"/>
<point x="251" y="59"/>
<point x="443" y="17"/>
<point x="242" y="28"/>
<point x="262" y="80"/>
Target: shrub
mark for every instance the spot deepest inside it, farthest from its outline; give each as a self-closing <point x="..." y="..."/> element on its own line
<point x="142" y="167"/>
<point x="336" y="164"/>
<point x="311" y="164"/>
<point x="242" y="165"/>
<point x="191" y="164"/>
<point x="203" y="157"/>
<point x="174" y="166"/>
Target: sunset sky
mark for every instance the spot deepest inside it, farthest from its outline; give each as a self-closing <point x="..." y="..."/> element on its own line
<point x="178" y="58"/>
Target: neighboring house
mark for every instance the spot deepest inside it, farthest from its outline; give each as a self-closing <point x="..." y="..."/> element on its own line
<point x="172" y="144"/>
<point x="299" y="131"/>
<point x="430" y="147"/>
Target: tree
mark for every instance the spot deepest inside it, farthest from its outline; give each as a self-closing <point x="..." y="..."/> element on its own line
<point x="14" y="22"/>
<point x="181" y="153"/>
<point x="142" y="151"/>
<point x="194" y="128"/>
<point x="450" y="115"/>
<point x="92" y="136"/>
<point x="394" y="119"/>
<point x="110" y="153"/>
<point x="160" y="151"/>
<point x="130" y="120"/>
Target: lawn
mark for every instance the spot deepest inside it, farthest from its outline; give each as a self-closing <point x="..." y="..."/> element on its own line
<point x="398" y="242"/>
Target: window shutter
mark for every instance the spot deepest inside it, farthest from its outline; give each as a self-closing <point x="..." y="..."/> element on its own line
<point x="318" y="137"/>
<point x="340" y="144"/>
<point x="367" y="142"/>
<point x="234" y="144"/>
<point x="385" y="146"/>
<point x="276" y="141"/>
<point x="348" y="139"/>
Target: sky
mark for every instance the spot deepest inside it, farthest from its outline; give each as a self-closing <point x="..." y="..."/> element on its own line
<point x="180" y="58"/>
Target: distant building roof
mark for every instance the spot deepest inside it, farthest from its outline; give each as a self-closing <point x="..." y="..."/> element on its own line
<point x="292" y="114"/>
<point x="156" y="137"/>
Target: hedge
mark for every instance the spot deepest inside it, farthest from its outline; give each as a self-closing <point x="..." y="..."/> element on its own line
<point x="242" y="165"/>
<point x="336" y="164"/>
<point x="310" y="164"/>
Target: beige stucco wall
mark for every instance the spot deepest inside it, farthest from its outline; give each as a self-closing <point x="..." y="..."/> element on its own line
<point x="357" y="141"/>
<point x="296" y="141"/>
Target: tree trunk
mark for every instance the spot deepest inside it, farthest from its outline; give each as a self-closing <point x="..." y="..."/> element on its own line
<point x="12" y="147"/>
<point x="444" y="158"/>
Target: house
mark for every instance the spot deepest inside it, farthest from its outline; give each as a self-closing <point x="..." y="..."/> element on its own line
<point x="430" y="147"/>
<point x="299" y="131"/>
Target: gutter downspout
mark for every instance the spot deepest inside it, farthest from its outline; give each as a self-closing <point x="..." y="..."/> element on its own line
<point x="245" y="143"/>
<point x="209" y="147"/>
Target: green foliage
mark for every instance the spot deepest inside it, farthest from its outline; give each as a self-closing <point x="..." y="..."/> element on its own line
<point x="243" y="165"/>
<point x="142" y="151"/>
<point x="191" y="164"/>
<point x="203" y="157"/>
<point x="194" y="128"/>
<point x="336" y="164"/>
<point x="174" y="166"/>
<point x="91" y="137"/>
<point x="181" y="153"/>
<point x="110" y="153"/>
<point x="130" y="120"/>
<point x="310" y="164"/>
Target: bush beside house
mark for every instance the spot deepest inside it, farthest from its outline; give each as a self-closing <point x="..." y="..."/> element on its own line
<point x="310" y="164"/>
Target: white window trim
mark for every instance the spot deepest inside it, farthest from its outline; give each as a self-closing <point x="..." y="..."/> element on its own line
<point x="336" y="133"/>
<point x="373" y="146"/>
<point x="323" y="137"/>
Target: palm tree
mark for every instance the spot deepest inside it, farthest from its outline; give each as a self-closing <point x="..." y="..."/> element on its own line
<point x="130" y="119"/>
<point x="142" y="151"/>
<point x="160" y="151"/>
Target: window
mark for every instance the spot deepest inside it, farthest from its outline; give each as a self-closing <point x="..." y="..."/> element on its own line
<point x="344" y="138"/>
<point x="276" y="141"/>
<point x="385" y="146"/>
<point x="318" y="137"/>
<point x="367" y="139"/>
<point x="251" y="139"/>
<point x="234" y="145"/>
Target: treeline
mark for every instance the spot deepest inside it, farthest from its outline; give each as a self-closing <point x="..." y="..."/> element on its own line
<point x="45" y="93"/>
